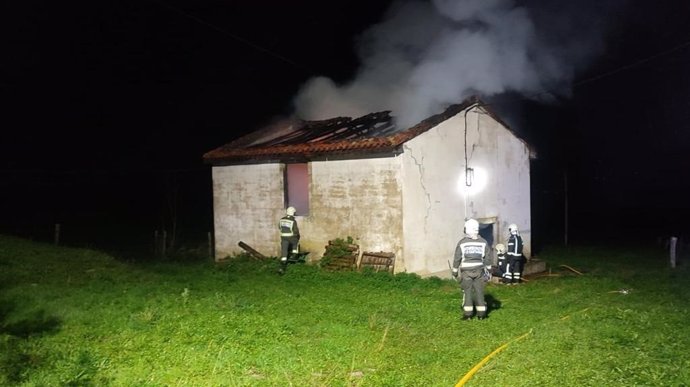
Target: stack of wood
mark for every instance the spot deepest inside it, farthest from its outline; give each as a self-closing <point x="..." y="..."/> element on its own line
<point x="346" y="259"/>
<point x="378" y="261"/>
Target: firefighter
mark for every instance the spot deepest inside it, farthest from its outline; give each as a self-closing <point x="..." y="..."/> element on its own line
<point x="502" y="261"/>
<point x="515" y="258"/>
<point x="289" y="237"/>
<point x="472" y="263"/>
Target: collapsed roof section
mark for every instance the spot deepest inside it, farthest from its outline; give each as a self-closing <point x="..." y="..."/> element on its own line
<point x="294" y="140"/>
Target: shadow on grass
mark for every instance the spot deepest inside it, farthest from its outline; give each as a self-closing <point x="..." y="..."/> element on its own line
<point x="15" y="356"/>
<point x="35" y="323"/>
<point x="492" y="303"/>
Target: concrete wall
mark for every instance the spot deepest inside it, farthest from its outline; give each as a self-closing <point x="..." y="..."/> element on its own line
<point x="513" y="197"/>
<point x="431" y="208"/>
<point x="247" y="203"/>
<point x="413" y="205"/>
<point x="436" y="199"/>
<point x="356" y="198"/>
<point x="433" y="165"/>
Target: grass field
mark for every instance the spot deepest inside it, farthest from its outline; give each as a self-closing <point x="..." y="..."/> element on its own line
<point x="78" y="317"/>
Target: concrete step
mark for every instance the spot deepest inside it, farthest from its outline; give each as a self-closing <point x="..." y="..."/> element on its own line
<point x="534" y="266"/>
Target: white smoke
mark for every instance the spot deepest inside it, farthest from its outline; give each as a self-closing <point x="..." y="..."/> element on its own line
<point x="426" y="56"/>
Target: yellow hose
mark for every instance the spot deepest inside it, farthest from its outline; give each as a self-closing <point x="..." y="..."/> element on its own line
<point x="570" y="268"/>
<point x="479" y="365"/>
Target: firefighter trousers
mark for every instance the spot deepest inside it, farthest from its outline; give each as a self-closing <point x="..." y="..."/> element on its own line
<point x="472" y="283"/>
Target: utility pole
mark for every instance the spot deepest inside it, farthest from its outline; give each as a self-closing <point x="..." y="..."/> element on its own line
<point x="565" y="205"/>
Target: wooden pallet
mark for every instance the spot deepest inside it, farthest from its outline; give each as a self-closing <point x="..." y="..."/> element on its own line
<point x="378" y="261"/>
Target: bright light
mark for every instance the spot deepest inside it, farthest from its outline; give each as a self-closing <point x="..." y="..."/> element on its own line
<point x="469" y="176"/>
<point x="476" y="176"/>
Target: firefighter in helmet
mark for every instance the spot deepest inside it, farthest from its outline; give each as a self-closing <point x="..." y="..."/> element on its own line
<point x="472" y="262"/>
<point x="289" y="237"/>
<point x="516" y="261"/>
<point x="502" y="262"/>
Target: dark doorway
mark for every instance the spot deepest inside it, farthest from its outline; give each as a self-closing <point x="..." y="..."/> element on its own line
<point x="486" y="231"/>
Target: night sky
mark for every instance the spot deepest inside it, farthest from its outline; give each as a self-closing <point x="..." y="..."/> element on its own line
<point x="110" y="105"/>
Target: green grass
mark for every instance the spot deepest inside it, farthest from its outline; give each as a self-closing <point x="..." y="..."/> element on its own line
<point x="78" y="317"/>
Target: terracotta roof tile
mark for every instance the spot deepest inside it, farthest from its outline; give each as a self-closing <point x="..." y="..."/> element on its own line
<point x="308" y="140"/>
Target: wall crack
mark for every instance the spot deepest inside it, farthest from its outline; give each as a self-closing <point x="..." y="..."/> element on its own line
<point x="420" y="167"/>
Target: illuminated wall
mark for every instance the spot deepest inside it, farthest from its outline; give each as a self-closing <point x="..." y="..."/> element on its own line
<point x="436" y="195"/>
<point x="413" y="204"/>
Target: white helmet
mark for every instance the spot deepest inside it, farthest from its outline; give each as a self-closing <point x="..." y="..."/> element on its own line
<point x="471" y="227"/>
<point x="500" y="248"/>
<point x="291" y="211"/>
<point x="513" y="229"/>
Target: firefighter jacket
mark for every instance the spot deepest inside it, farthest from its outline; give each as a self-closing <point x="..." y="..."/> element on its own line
<point x="288" y="227"/>
<point x="502" y="262"/>
<point x="471" y="254"/>
<point x="514" y="246"/>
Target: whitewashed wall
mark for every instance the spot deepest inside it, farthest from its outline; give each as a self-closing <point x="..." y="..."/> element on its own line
<point x="413" y="205"/>
<point x="433" y="209"/>
<point x="247" y="203"/>
<point x="436" y="199"/>
<point x="356" y="198"/>
<point x="514" y="195"/>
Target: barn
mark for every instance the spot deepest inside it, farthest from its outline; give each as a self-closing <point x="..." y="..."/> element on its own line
<point x="406" y="191"/>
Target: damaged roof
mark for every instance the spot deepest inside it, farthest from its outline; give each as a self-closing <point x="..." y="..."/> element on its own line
<point x="294" y="140"/>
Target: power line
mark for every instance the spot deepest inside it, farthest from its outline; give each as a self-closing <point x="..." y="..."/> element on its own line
<point x="617" y="70"/>
<point x="235" y="37"/>
<point x="634" y="64"/>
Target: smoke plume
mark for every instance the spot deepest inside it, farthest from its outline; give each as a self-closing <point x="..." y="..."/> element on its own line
<point x="425" y="56"/>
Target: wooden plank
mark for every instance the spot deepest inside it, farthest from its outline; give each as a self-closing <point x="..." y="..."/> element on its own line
<point x="379" y="254"/>
<point x="251" y="251"/>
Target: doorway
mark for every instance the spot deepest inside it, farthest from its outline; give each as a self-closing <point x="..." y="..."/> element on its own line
<point x="486" y="231"/>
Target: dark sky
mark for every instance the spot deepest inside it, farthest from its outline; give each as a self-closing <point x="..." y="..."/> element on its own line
<point x="106" y="102"/>
<point x="130" y="83"/>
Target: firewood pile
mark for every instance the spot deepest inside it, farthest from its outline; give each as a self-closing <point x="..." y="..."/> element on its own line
<point x="340" y="255"/>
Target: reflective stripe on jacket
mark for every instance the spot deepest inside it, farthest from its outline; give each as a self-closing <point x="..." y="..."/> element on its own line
<point x="515" y="246"/>
<point x="471" y="254"/>
<point x="288" y="226"/>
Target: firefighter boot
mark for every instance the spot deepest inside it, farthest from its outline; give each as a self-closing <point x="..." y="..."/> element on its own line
<point x="283" y="266"/>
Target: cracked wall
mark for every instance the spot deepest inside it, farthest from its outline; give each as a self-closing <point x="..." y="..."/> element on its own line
<point x="436" y="200"/>
<point x="413" y="205"/>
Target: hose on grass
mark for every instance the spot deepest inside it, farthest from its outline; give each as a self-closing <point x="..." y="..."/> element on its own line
<point x="579" y="311"/>
<point x="479" y="365"/>
<point x="571" y="269"/>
